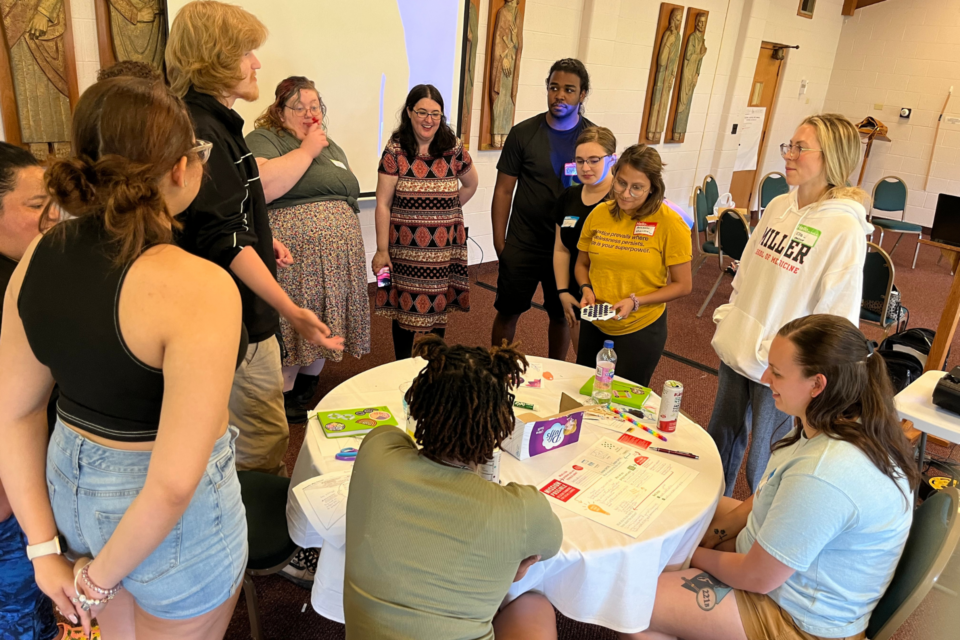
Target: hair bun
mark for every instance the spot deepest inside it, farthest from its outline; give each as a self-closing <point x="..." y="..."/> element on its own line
<point x="431" y="348"/>
<point x="506" y="361"/>
<point x="70" y="182"/>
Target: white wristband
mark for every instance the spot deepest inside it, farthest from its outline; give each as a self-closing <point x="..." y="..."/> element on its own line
<point x="44" y="549"/>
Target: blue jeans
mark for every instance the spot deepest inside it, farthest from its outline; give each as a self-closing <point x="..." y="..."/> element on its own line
<point x="200" y="563"/>
<point x="25" y="612"/>
<point x="743" y="407"/>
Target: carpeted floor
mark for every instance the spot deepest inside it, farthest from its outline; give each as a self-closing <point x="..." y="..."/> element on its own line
<point x="285" y="608"/>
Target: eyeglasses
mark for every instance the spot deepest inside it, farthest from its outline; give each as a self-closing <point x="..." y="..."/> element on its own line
<point x="621" y="186"/>
<point x="793" y="151"/>
<point x="592" y="161"/>
<point x="203" y="149"/>
<point x="423" y="114"/>
<point x="314" y="110"/>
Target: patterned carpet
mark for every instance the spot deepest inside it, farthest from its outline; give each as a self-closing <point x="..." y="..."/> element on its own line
<point x="285" y="608"/>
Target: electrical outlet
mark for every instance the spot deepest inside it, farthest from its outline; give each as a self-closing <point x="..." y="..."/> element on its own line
<point x="734" y="130"/>
<point x="878" y="106"/>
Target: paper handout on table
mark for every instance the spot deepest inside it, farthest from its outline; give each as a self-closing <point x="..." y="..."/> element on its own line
<point x="618" y="486"/>
<point x="324" y="501"/>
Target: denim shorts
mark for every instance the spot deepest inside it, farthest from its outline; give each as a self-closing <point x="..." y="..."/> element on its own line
<point x="200" y="563"/>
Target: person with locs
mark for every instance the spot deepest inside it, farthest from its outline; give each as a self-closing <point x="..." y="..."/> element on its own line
<point x="538" y="161"/>
<point x="211" y="64"/>
<point x="805" y="256"/>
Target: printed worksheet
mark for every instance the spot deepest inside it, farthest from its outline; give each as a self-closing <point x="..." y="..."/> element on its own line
<point x="618" y="485"/>
<point x="324" y="501"/>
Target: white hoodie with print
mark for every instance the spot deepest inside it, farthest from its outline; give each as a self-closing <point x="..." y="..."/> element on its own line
<point x="797" y="262"/>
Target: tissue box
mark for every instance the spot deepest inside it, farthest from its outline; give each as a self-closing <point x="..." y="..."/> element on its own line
<point x="534" y="435"/>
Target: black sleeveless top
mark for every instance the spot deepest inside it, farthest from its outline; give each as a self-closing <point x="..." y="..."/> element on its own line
<point x="69" y="307"/>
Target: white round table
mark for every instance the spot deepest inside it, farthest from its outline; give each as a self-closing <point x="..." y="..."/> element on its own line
<point x="600" y="576"/>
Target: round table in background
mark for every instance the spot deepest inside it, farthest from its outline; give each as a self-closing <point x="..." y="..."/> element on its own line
<point x="600" y="576"/>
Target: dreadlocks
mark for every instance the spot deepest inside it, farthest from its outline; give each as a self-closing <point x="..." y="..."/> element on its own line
<point x="461" y="400"/>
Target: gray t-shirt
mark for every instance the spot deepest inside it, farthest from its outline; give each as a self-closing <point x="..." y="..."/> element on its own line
<point x="826" y="511"/>
<point x="432" y="549"/>
<point x="327" y="178"/>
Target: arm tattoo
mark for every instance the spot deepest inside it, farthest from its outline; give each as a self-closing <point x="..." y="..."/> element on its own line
<point x="722" y="533"/>
<point x="709" y="590"/>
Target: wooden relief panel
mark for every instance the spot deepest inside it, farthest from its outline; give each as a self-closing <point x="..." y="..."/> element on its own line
<point x="131" y="30"/>
<point x="38" y="75"/>
<point x="472" y="20"/>
<point x="663" y="70"/>
<point x="501" y="72"/>
<point x="691" y="59"/>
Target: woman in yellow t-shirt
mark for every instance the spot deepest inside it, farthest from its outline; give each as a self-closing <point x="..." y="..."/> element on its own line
<point x="628" y="247"/>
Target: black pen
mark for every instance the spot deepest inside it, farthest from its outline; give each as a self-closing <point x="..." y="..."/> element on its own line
<point x="682" y="454"/>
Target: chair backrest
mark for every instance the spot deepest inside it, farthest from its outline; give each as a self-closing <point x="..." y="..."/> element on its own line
<point x="878" y="273"/>
<point x="772" y="185"/>
<point x="733" y="232"/>
<point x="932" y="540"/>
<point x="700" y="209"/>
<point x="890" y="194"/>
<point x="711" y="190"/>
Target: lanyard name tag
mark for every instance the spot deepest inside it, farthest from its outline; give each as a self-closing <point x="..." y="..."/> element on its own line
<point x="570" y="221"/>
<point x="645" y="229"/>
<point x="338" y="164"/>
<point x="570" y="169"/>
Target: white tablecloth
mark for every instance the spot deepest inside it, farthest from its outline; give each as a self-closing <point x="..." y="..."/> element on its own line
<point x="600" y="576"/>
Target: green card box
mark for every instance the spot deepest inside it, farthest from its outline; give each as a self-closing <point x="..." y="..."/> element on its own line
<point x="345" y="423"/>
<point x="630" y="395"/>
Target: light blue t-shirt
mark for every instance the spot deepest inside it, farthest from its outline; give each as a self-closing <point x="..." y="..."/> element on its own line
<point x="826" y="511"/>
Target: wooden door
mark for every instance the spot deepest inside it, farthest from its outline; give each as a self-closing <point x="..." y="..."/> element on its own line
<point x="763" y="93"/>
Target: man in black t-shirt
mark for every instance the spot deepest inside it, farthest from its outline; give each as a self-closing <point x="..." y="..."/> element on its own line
<point x="537" y="159"/>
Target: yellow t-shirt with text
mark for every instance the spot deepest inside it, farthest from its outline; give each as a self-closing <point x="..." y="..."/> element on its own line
<point x="632" y="256"/>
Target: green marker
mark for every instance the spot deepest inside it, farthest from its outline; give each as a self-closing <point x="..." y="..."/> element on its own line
<point x="529" y="406"/>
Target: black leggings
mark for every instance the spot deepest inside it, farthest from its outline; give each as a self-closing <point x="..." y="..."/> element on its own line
<point x="637" y="353"/>
<point x="403" y="339"/>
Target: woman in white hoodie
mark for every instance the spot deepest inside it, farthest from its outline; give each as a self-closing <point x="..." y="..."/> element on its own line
<point x="806" y="256"/>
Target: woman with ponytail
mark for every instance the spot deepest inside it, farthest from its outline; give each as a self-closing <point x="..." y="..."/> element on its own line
<point x="805" y="256"/>
<point x="142" y="339"/>
<point x="812" y="551"/>
<point x="432" y="547"/>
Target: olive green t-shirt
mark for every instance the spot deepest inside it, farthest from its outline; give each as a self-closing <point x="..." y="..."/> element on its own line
<point x="431" y="549"/>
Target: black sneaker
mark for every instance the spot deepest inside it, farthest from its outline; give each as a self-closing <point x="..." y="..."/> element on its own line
<point x="296" y="413"/>
<point x="304" y="388"/>
<point x="302" y="569"/>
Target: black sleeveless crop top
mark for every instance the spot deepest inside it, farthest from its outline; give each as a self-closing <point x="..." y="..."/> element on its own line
<point x="69" y="307"/>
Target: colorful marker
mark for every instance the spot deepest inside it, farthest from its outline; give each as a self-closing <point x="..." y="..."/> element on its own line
<point x="628" y="418"/>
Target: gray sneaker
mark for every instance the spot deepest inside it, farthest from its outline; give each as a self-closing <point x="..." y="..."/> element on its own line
<point x="302" y="569"/>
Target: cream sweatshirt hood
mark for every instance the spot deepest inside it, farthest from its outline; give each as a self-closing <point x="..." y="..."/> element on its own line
<point x="796" y="263"/>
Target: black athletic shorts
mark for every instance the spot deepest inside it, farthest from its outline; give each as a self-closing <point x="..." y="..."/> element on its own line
<point x="520" y="273"/>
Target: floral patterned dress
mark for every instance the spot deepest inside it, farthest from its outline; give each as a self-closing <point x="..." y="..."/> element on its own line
<point x="427" y="239"/>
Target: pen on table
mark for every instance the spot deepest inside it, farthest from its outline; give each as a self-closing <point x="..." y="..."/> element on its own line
<point x="682" y="454"/>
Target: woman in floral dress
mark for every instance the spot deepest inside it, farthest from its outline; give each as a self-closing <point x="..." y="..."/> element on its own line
<point x="425" y="177"/>
<point x="312" y="196"/>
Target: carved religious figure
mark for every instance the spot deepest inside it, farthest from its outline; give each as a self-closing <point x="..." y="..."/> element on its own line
<point x="138" y="31"/>
<point x="689" y="75"/>
<point x="669" y="54"/>
<point x="470" y="56"/>
<point x="504" y="76"/>
<point x="34" y="32"/>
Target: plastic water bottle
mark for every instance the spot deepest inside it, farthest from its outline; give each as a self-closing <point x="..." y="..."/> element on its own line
<point x="606" y="363"/>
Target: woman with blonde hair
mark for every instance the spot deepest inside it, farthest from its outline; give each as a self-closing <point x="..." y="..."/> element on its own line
<point x="635" y="254"/>
<point x="596" y="153"/>
<point x="806" y="256"/>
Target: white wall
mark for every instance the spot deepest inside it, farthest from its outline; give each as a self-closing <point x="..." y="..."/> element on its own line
<point x="904" y="53"/>
<point x="615" y="40"/>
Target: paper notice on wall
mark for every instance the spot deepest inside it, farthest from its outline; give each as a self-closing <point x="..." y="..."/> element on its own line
<point x="324" y="501"/>
<point x="618" y="485"/>
<point x="750" y="132"/>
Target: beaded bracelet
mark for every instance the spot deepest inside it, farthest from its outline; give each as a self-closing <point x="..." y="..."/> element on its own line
<point x="636" y="303"/>
<point x="88" y="603"/>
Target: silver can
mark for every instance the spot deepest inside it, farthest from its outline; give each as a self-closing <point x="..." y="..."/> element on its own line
<point x="670" y="406"/>
<point x="490" y="470"/>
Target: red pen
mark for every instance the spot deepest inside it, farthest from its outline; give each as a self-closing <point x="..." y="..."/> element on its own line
<point x="682" y="454"/>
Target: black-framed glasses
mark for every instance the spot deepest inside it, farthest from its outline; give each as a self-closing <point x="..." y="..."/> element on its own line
<point x="591" y="161"/>
<point x="792" y="151"/>
<point x="203" y="149"/>
<point x="314" y="110"/>
<point x="423" y="114"/>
